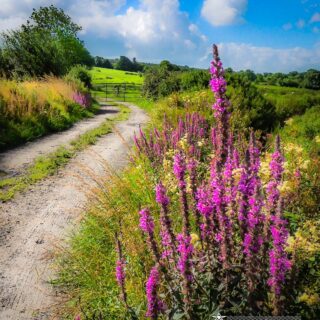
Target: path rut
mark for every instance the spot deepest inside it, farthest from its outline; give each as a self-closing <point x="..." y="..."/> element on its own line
<point x="36" y="221"/>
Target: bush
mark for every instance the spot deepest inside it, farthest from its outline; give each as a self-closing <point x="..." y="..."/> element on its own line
<point x="80" y="73"/>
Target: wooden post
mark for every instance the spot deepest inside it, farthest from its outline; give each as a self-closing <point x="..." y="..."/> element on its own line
<point x="124" y="92"/>
<point x="106" y="91"/>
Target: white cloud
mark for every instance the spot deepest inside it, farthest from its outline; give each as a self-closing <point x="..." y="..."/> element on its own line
<point x="265" y="59"/>
<point x="223" y="12"/>
<point x="152" y="30"/>
<point x="287" y="26"/>
<point x="14" y="13"/>
<point x="315" y="18"/>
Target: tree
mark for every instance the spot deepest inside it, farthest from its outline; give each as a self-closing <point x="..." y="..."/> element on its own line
<point x="137" y="66"/>
<point x="125" y="64"/>
<point x="55" y="21"/>
<point x="312" y="79"/>
<point x="46" y="44"/>
<point x="103" y="63"/>
<point x="168" y="66"/>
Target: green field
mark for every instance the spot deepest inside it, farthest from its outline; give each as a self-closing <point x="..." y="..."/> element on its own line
<point x="121" y="86"/>
<point x="103" y="75"/>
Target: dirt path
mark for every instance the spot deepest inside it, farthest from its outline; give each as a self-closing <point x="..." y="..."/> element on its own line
<point x="15" y="160"/>
<point x="36" y="221"/>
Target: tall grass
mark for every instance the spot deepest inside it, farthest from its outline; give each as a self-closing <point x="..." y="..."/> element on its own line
<point x="29" y="109"/>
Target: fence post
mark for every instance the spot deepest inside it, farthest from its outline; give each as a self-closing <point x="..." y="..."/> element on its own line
<point x="124" y="92"/>
<point x="106" y="91"/>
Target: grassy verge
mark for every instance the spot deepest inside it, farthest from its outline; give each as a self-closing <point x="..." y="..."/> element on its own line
<point x="34" y="108"/>
<point x="49" y="164"/>
<point x="87" y="264"/>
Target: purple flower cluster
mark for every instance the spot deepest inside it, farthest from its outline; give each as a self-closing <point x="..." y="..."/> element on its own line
<point x="167" y="235"/>
<point x="238" y="219"/>
<point x="84" y="99"/>
<point x="146" y="221"/>
<point x="155" y="305"/>
<point x="193" y="127"/>
<point x="120" y="274"/>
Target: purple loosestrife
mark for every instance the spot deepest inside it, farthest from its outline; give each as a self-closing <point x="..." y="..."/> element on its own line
<point x="220" y="107"/>
<point x="155" y="305"/>
<point x="167" y="235"/>
<point x="205" y="207"/>
<point x="179" y="169"/>
<point x="120" y="271"/>
<point x="218" y="199"/>
<point x="192" y="169"/>
<point x="244" y="190"/>
<point x="185" y="249"/>
<point x="276" y="170"/>
<point x="279" y="263"/>
<point x="278" y="258"/>
<point x="83" y="99"/>
<point x="147" y="226"/>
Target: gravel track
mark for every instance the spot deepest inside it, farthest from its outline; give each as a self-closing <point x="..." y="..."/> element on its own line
<point x="37" y="221"/>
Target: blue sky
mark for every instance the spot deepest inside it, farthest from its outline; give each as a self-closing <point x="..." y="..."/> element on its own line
<point x="265" y="36"/>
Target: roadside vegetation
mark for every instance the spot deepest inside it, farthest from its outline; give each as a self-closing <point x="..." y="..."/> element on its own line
<point x="43" y="88"/>
<point x="112" y="269"/>
<point x="32" y="108"/>
<point x="47" y="165"/>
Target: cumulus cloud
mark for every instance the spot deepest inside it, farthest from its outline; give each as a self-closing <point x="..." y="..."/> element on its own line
<point x="224" y="12"/>
<point x="240" y="56"/>
<point x="151" y="30"/>
<point x="14" y="13"/>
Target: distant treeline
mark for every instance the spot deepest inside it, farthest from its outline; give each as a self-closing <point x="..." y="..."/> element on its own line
<point x="125" y="64"/>
<point x="309" y="79"/>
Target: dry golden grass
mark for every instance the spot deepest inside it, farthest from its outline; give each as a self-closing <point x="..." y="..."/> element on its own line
<point x="34" y="96"/>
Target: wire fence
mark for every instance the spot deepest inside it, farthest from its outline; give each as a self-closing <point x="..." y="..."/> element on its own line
<point x="118" y="91"/>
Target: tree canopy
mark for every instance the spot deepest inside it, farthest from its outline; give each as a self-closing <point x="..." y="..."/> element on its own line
<point x="46" y="44"/>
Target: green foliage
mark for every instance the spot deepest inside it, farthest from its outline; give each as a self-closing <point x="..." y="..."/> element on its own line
<point x="289" y="101"/>
<point x="248" y="106"/>
<point x="194" y="80"/>
<point x="309" y="79"/>
<point x="80" y="73"/>
<point x="126" y="64"/>
<point x="312" y="80"/>
<point x="102" y="63"/>
<point x="46" y="44"/>
<point x="304" y="130"/>
<point x="163" y="80"/>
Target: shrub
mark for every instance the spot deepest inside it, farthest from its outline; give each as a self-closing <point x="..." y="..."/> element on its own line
<point x="80" y="73"/>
